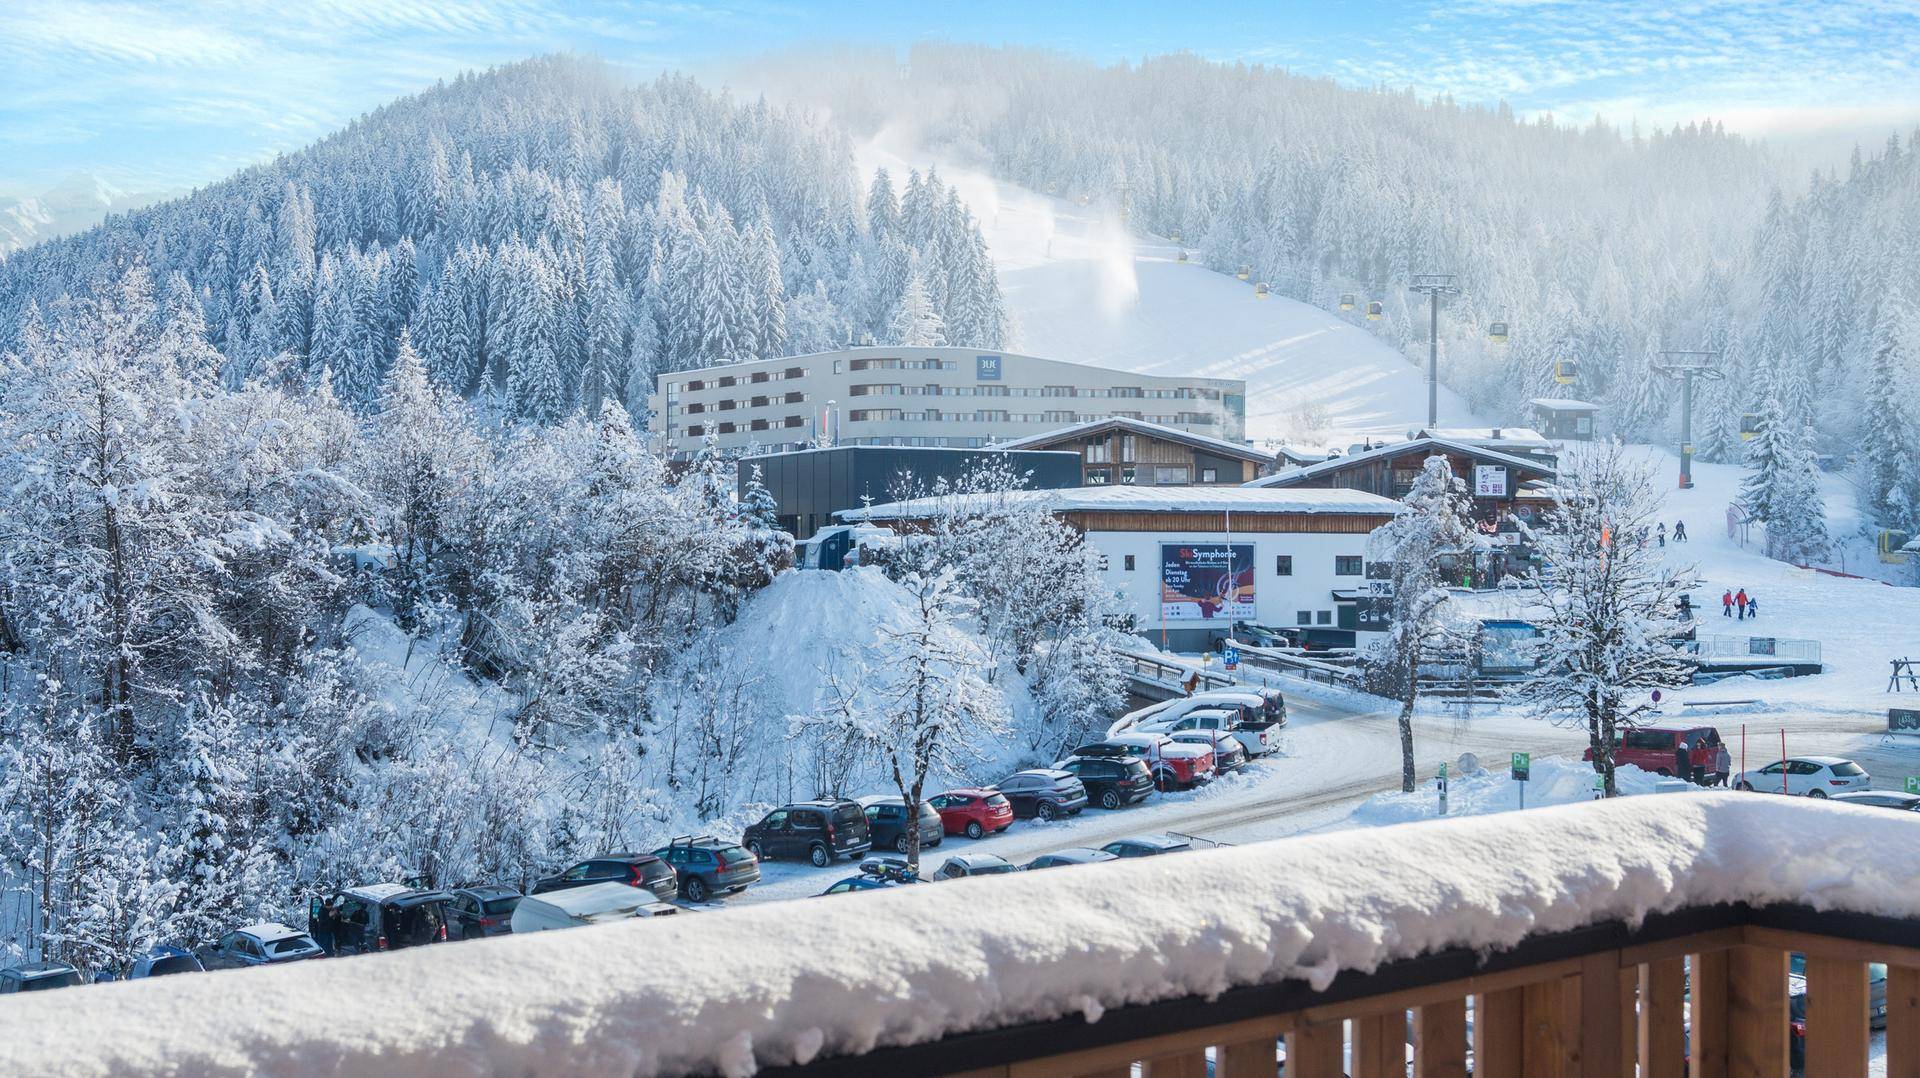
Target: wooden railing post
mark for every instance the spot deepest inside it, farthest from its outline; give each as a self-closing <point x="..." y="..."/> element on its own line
<point x="1661" y="1043"/>
<point x="1903" y="1022"/>
<point x="1189" y="1064"/>
<point x="1756" y="1012"/>
<point x="1440" y="1040"/>
<point x="1836" y="1017"/>
<point x="1707" y="1007"/>
<point x="1550" y="1010"/>
<point x="1499" y="1034"/>
<point x="1317" y="1050"/>
<point x="1247" y="1059"/>
<point x="1601" y="1035"/>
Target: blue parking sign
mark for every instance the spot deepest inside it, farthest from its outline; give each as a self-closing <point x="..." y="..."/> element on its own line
<point x="1230" y="657"/>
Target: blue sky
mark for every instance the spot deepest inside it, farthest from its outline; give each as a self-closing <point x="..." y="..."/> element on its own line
<point x="169" y="94"/>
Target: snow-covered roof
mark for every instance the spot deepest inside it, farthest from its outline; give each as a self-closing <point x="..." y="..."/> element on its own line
<point x="1136" y="499"/>
<point x="1517" y="437"/>
<point x="380" y="892"/>
<point x="1012" y="949"/>
<point x="1292" y="476"/>
<point x="1240" y="450"/>
<point x="595" y="899"/>
<point x="268" y="931"/>
<point x="1557" y="404"/>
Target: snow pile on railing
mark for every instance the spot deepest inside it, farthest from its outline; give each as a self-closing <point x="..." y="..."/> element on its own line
<point x="791" y="982"/>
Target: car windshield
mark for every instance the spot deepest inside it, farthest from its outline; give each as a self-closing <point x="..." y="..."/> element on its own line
<point x="173" y="964"/>
<point x="290" y="945"/>
<point x="58" y="980"/>
<point x="1848" y="768"/>
<point x="501" y="906"/>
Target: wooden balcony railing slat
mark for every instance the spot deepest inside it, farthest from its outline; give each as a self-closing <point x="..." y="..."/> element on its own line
<point x="1661" y="1044"/>
<point x="1100" y="1061"/>
<point x="1757" y="1012"/>
<point x="1380" y="1046"/>
<point x="1440" y="1040"/>
<point x="1247" y="1059"/>
<point x="1707" y="1014"/>
<point x="1601" y="1034"/>
<point x="1551" y="1047"/>
<point x="1903" y="1022"/>
<point x="1188" y="1064"/>
<point x="1836" y="1017"/>
<point x="1499" y="1034"/>
<point x="1317" y="1050"/>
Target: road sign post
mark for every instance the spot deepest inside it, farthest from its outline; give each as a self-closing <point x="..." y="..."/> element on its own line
<point x="1522" y="770"/>
<point x="1443" y="789"/>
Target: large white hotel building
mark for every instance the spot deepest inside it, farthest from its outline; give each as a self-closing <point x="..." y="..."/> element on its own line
<point x="956" y="397"/>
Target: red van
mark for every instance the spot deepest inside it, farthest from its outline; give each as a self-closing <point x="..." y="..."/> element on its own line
<point x="1651" y="748"/>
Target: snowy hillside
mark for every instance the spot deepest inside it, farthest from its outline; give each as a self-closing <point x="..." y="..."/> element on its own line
<point x="1079" y="286"/>
<point x="77" y="202"/>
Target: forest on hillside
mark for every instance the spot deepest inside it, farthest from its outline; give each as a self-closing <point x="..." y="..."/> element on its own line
<point x="1596" y="244"/>
<point x="549" y="238"/>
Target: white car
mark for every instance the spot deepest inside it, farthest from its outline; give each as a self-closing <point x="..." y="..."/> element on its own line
<point x="596" y="903"/>
<point x="1808" y="776"/>
<point x="1257" y="740"/>
<point x="1174" y="765"/>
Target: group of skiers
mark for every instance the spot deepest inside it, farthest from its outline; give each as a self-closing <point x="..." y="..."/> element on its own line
<point x="1747" y="605"/>
<point x="1679" y="532"/>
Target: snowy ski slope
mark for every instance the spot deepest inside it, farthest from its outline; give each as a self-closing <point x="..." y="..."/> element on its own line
<point x="1082" y="288"/>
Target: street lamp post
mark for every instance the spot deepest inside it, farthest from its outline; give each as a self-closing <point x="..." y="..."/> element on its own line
<point x="1686" y="365"/>
<point x="1433" y="286"/>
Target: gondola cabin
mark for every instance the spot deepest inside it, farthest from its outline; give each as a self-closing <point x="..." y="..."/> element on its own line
<point x="1346" y="301"/>
<point x="1373" y="310"/>
<point x="1245" y="271"/>
<point x="1893" y="544"/>
<point x="1175" y="237"/>
<point x="1261" y="290"/>
<point x="1497" y="332"/>
<point x="1749" y="426"/>
<point x="1566" y="372"/>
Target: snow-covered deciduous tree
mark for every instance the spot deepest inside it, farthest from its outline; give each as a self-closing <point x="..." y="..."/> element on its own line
<point x="1610" y="603"/>
<point x="1433" y="524"/>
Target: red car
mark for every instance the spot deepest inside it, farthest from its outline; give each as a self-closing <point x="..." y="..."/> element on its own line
<point x="1653" y="749"/>
<point x="973" y="812"/>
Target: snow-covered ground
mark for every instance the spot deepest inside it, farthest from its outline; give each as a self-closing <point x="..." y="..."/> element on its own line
<point x="1081" y="287"/>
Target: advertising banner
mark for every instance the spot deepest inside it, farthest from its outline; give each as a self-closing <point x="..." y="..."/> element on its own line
<point x="1204" y="581"/>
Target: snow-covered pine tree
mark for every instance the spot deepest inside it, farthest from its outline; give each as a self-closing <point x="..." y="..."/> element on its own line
<point x="1890" y="456"/>
<point x="1609" y="602"/>
<point x="914" y="322"/>
<point x="1433" y="524"/>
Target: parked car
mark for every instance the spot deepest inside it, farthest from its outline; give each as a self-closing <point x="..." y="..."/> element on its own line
<point x="1112" y="783"/>
<point x="1046" y="793"/>
<point x="1892" y="799"/>
<point x="378" y="917"/>
<point x="1229" y="754"/>
<point x="816" y="830"/>
<point x="1251" y="705"/>
<point x="887" y="823"/>
<point x="1254" y="737"/>
<point x="164" y="962"/>
<point x="1876" y="991"/>
<point x="973" y="812"/>
<point x="1076" y="855"/>
<point x="1653" y="749"/>
<point x="1147" y="845"/>
<point x="587" y="904"/>
<point x="268" y="943"/>
<point x="481" y="911"/>
<point x="876" y="873"/>
<point x="708" y="866"/>
<point x="39" y="977"/>
<point x="1810" y="776"/>
<point x="1174" y="766"/>
<point x="633" y="869"/>
<point x="962" y="865"/>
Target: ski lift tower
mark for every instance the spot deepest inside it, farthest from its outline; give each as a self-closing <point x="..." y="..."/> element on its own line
<point x="1433" y="286"/>
<point x="1687" y="365"/>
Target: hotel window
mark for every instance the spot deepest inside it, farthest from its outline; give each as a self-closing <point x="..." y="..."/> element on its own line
<point x="1209" y="475"/>
<point x="696" y="408"/>
<point x="1099" y="477"/>
<point x="1165" y="475"/>
<point x="1129" y="563"/>
<point x="796" y="421"/>
<point x="760" y="376"/>
<point x="696" y="386"/>
<point x="758" y="424"/>
<point x="727" y="382"/>
<point x="1347" y="565"/>
<point x="795" y="397"/>
<point x="797" y="372"/>
<point x="1304" y="617"/>
<point x="759" y="402"/>
<point x="1126" y="447"/>
<point x="1126" y="475"/>
<point x="696" y="431"/>
<point x="1283" y="565"/>
<point x="1326" y="617"/>
<point x="728" y="428"/>
<point x="728" y="405"/>
<point x="1100" y="452"/>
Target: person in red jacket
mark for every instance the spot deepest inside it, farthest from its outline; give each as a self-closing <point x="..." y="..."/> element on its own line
<point x="1726" y="603"/>
<point x="1740" y="600"/>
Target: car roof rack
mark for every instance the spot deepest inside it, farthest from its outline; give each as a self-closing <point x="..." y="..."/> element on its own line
<point x="697" y="840"/>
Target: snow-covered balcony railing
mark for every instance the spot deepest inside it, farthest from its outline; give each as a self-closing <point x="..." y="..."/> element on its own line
<point x="1571" y="941"/>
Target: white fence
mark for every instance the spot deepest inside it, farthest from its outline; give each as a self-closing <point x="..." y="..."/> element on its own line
<point x="1760" y="649"/>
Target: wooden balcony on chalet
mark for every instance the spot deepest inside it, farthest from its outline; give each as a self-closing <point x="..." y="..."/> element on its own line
<point x="1645" y="936"/>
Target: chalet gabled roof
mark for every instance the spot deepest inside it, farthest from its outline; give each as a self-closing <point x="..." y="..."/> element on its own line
<point x="1144" y="428"/>
<point x="1294" y="476"/>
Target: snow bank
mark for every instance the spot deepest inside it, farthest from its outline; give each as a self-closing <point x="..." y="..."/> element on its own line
<point x="1492" y="789"/>
<point x="787" y="982"/>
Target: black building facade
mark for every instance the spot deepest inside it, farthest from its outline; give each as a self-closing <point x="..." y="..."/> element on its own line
<point x="810" y="485"/>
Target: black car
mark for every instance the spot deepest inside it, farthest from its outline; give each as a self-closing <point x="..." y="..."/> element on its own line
<point x="816" y="830"/>
<point x="709" y="866"/>
<point x="633" y="869"/>
<point x="1113" y="783"/>
<point x="1044" y="792"/>
<point x="887" y="822"/>
<point x="378" y="917"/>
<point x="1147" y="846"/>
<point x="482" y="911"/>
<point x="39" y="976"/>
